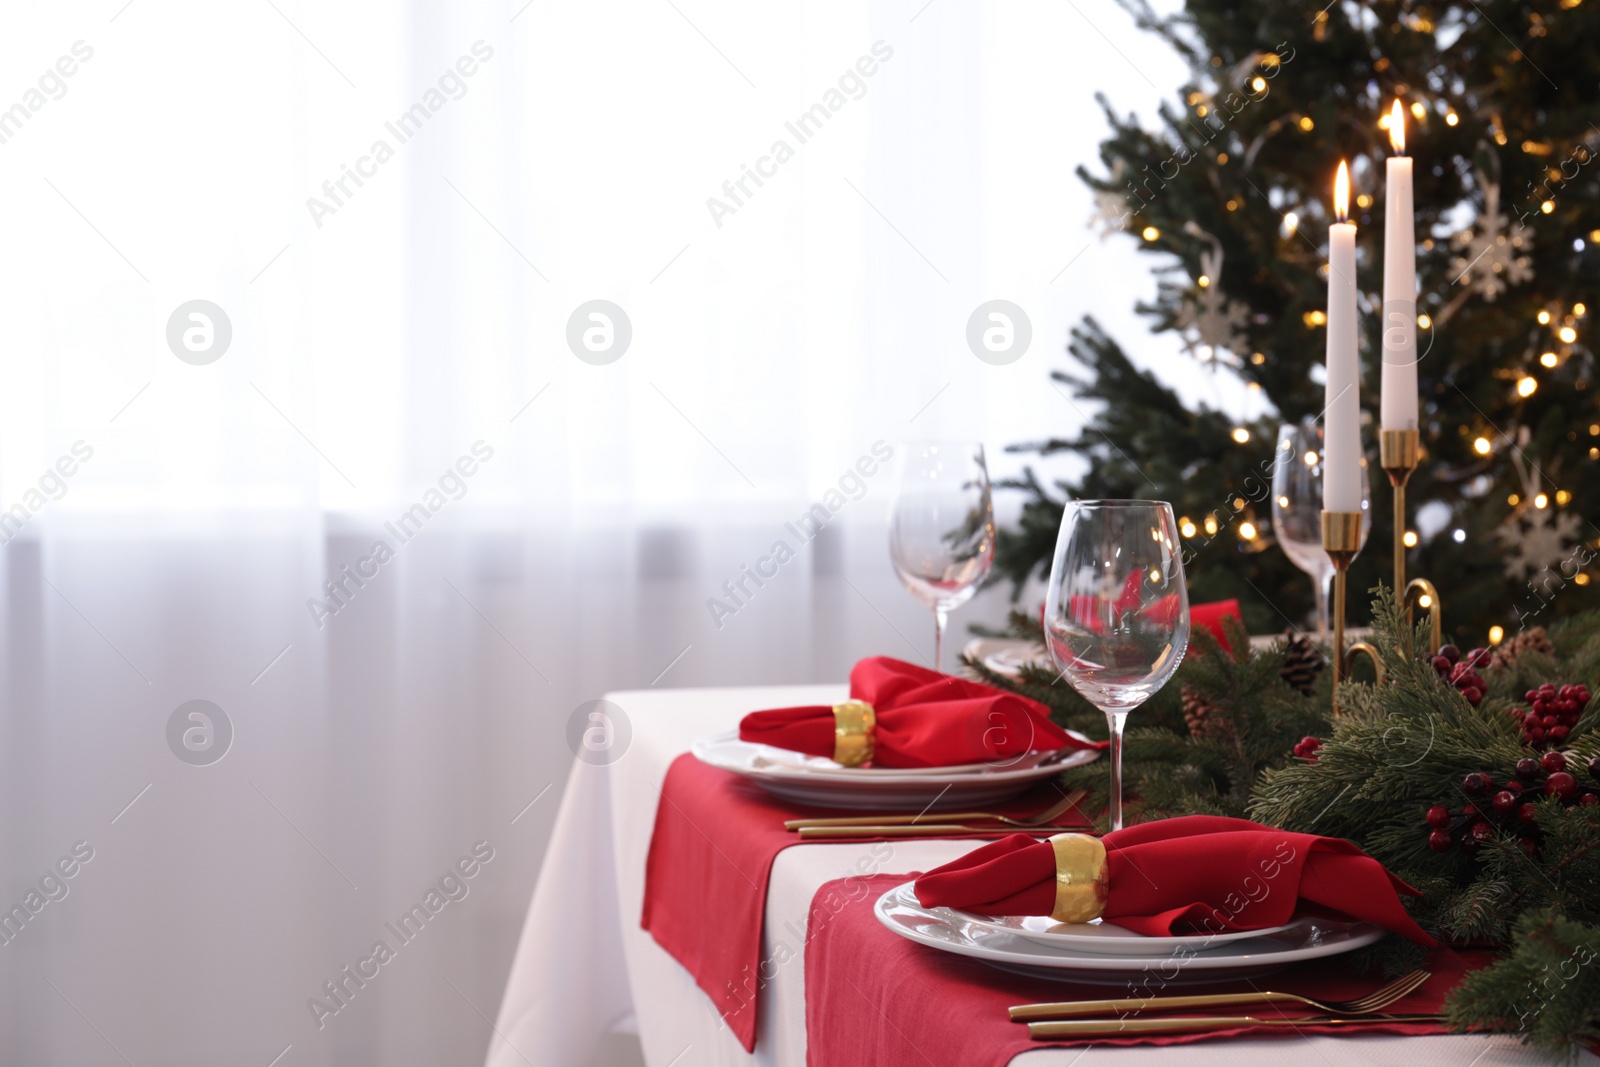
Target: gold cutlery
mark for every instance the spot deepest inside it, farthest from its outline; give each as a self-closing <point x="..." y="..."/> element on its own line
<point x="922" y="829"/>
<point x="1374" y="1001"/>
<point x="1040" y="820"/>
<point x="1202" y="1023"/>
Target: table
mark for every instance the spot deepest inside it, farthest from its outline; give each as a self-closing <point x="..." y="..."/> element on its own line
<point x="584" y="967"/>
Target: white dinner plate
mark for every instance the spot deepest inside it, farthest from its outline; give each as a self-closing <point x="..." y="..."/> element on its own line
<point x="1007" y="655"/>
<point x="947" y="931"/>
<point x="1105" y="938"/>
<point x="821" y="782"/>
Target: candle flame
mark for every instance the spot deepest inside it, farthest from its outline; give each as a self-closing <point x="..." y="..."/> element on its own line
<point x="1341" y="192"/>
<point x="1397" y="129"/>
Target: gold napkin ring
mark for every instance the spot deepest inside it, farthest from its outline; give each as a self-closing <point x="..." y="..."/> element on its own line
<point x="1081" y="878"/>
<point x="854" y="724"/>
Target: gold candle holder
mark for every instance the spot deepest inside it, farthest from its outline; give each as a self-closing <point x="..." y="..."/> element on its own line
<point x="1398" y="452"/>
<point x="1341" y="540"/>
<point x="1419" y="592"/>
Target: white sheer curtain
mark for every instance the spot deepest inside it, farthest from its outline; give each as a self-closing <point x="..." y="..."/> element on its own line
<point x="377" y="338"/>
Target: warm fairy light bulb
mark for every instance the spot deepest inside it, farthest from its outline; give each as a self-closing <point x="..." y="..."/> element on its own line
<point x="1544" y="318"/>
<point x="1481" y="446"/>
<point x="1186" y="527"/>
<point x="1541" y="501"/>
<point x="1341" y="192"/>
<point x="1417" y="109"/>
<point x="1240" y="434"/>
<point x="1578" y="310"/>
<point x="1258" y="84"/>
<point x="1562" y="496"/>
<point x="1410" y="539"/>
<point x="1526" y="386"/>
<point x="1151" y="233"/>
<point x="1202" y="281"/>
<point x="1311" y="459"/>
<point x="1451" y="119"/>
<point x="1548" y="359"/>
<point x="1397" y="129"/>
<point x="1247" y="530"/>
<point x="1567" y="335"/>
<point x="1496" y="634"/>
<point x="1424" y="601"/>
<point x="1424" y="321"/>
<point x="1290" y="221"/>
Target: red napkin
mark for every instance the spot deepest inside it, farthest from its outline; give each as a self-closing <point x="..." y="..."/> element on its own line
<point x="1087" y="610"/>
<point x="925" y="719"/>
<point x="1210" y="617"/>
<point x="873" y="997"/>
<point x="1197" y="872"/>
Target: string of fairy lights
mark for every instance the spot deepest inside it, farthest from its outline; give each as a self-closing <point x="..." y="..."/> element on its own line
<point x="1559" y="321"/>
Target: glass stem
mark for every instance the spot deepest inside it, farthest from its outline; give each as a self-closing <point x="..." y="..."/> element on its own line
<point x="940" y="617"/>
<point x="1115" y="721"/>
<point x="1323" y="582"/>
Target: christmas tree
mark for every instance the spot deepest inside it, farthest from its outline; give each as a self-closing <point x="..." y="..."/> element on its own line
<point x="1230" y="193"/>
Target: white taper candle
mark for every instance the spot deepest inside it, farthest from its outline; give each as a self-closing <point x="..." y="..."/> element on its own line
<point x="1399" y="394"/>
<point x="1341" y="478"/>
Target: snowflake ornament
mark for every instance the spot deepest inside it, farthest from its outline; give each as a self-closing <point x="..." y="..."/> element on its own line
<point x="1545" y="540"/>
<point x="1492" y="260"/>
<point x="1111" y="209"/>
<point x="1211" y="325"/>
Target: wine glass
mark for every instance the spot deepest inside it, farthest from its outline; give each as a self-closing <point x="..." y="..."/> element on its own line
<point x="1297" y="507"/>
<point x="941" y="528"/>
<point x="1116" y="613"/>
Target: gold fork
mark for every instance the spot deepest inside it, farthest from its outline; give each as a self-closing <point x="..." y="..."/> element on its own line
<point x="1376" y="1000"/>
<point x="943" y="818"/>
<point x="1200" y="1023"/>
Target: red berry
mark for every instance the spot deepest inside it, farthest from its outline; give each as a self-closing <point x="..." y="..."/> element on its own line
<point x="1535" y="734"/>
<point x="1589" y="800"/>
<point x="1527" y="768"/>
<point x="1529" y="846"/>
<point x="1439" y="841"/>
<point x="1476" y="784"/>
<point x="1552" y="762"/>
<point x="1594" y="768"/>
<point x="1450" y="652"/>
<point x="1473" y="694"/>
<point x="1548" y="721"/>
<point x="1504" y="801"/>
<point x="1441" y="665"/>
<point x="1481" y="831"/>
<point x="1561" y="784"/>
<point x="1526" y="812"/>
<point x="1438" y="816"/>
<point x="1559" y="734"/>
<point x="1531" y="695"/>
<point x="1469" y="809"/>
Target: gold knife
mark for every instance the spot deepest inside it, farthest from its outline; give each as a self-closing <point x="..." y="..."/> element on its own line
<point x="926" y="829"/>
<point x="1203" y="1023"/>
<point x="1068" y="1008"/>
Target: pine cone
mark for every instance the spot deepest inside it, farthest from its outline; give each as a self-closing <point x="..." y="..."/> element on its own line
<point x="1202" y="717"/>
<point x="1303" y="664"/>
<point x="1534" y="640"/>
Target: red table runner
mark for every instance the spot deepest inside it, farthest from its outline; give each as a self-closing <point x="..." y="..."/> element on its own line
<point x="874" y="997"/>
<point x="705" y="888"/>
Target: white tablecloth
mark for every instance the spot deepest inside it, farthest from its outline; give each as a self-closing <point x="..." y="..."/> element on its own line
<point x="584" y="966"/>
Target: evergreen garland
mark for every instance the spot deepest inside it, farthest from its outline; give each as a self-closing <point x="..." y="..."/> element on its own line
<point x="1395" y="751"/>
